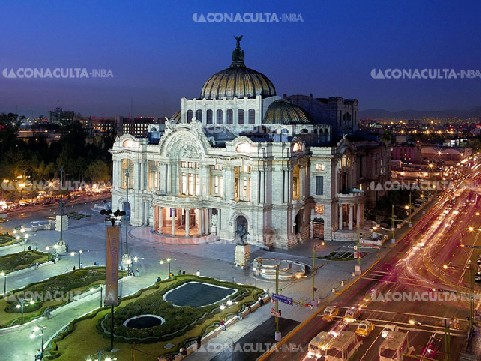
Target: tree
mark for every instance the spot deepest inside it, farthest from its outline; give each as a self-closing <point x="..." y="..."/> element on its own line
<point x="98" y="171"/>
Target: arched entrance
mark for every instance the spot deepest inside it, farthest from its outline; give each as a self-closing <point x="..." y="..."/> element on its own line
<point x="318" y="228"/>
<point x="298" y="221"/>
<point x="241" y="229"/>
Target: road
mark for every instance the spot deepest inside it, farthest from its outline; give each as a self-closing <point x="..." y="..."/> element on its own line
<point x="421" y="285"/>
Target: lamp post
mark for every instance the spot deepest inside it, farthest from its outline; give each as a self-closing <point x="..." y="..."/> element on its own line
<point x="79" y="263"/>
<point x="41" y="329"/>
<point x="468" y="267"/>
<point x="314" y="271"/>
<point x="4" y="275"/>
<point x="392" y="224"/>
<point x="21" y="305"/>
<point x="277" y="335"/>
<point x="127" y="218"/>
<point x="168" y="261"/>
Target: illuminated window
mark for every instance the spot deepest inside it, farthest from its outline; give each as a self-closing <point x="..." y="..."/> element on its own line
<point x="320" y="167"/>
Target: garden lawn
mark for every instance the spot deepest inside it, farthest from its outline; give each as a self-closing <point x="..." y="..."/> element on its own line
<point x="51" y="293"/>
<point x="18" y="261"/>
<point x="85" y="339"/>
<point x="7" y="240"/>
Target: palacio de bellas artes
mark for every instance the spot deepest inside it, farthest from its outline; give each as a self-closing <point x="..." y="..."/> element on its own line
<point x="241" y="161"/>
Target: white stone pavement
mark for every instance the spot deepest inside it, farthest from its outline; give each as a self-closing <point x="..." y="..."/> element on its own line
<point x="213" y="260"/>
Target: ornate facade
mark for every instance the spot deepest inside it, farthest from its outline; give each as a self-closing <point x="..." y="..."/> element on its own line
<point x="240" y="159"/>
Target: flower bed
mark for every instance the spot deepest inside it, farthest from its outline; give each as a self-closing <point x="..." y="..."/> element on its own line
<point x="18" y="261"/>
<point x="51" y="293"/>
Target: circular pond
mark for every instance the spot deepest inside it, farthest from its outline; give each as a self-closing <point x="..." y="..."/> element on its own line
<point x="196" y="294"/>
<point x="144" y="321"/>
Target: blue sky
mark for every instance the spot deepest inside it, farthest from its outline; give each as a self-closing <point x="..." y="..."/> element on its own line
<point x="157" y="52"/>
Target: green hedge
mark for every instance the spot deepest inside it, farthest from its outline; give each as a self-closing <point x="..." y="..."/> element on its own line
<point x="21" y="260"/>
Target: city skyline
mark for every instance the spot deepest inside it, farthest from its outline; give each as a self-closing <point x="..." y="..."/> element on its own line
<point x="154" y="53"/>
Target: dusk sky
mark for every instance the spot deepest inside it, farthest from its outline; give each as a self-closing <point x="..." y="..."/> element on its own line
<point x="157" y="53"/>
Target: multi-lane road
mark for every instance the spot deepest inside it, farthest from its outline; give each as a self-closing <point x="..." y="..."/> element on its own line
<point x="423" y="285"/>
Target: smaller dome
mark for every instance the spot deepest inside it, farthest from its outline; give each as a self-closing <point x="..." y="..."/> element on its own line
<point x="283" y="112"/>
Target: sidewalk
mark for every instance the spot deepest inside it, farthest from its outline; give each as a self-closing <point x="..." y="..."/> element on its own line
<point x="214" y="259"/>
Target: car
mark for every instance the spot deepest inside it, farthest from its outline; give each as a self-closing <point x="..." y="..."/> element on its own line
<point x="431" y="350"/>
<point x="330" y="313"/>
<point x="364" y="328"/>
<point x="352" y="314"/>
<point x="388" y="328"/>
<point x="477" y="277"/>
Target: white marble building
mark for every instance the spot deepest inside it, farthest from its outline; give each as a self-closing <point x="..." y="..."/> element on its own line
<point x="240" y="159"/>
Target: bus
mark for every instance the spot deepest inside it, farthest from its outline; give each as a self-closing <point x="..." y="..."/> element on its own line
<point x="342" y="347"/>
<point x="394" y="346"/>
<point x="319" y="344"/>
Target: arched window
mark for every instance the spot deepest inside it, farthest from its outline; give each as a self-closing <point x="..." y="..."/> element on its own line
<point x="240" y="116"/>
<point x="190" y="115"/>
<point x="209" y="119"/>
<point x="252" y="116"/>
<point x="229" y="116"/>
<point x="198" y="115"/>
<point x="220" y="116"/>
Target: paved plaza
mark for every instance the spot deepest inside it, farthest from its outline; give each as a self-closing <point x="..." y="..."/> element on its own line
<point x="215" y="259"/>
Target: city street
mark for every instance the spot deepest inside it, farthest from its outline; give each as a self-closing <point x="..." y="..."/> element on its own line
<point x="428" y="263"/>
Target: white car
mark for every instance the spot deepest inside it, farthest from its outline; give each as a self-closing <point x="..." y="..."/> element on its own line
<point x="388" y="328"/>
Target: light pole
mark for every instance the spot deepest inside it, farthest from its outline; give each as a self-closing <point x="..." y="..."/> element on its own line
<point x="4" y="275"/>
<point x="41" y="329"/>
<point x="392" y="224"/>
<point x="277" y="335"/>
<point x="79" y="263"/>
<point x="314" y="271"/>
<point x="21" y="305"/>
<point x="168" y="261"/>
<point x="127" y="218"/>
<point x="469" y="267"/>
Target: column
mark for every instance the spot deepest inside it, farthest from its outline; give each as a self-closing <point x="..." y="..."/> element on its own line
<point x="340" y="216"/>
<point x="207" y="220"/>
<point x="358" y="215"/>
<point x="302" y="179"/>
<point x="115" y="174"/>
<point x="174" y="211"/>
<point x="134" y="179"/>
<point x="161" y="219"/>
<point x="168" y="171"/>
<point x="187" y="222"/>
<point x="201" y="221"/>
<point x="351" y="210"/>
<point x="262" y="185"/>
<point x="229" y="183"/>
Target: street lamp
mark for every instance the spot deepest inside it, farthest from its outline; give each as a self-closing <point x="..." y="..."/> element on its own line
<point x="314" y="247"/>
<point x="468" y="267"/>
<point x="21" y="305"/>
<point x="4" y="275"/>
<point x="41" y="329"/>
<point x="79" y="252"/>
<point x="168" y="261"/>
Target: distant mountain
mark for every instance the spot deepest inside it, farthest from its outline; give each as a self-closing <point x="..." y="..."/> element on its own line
<point x="417" y="114"/>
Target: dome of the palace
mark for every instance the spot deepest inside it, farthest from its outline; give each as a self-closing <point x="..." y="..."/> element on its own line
<point x="283" y="112"/>
<point x="237" y="81"/>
